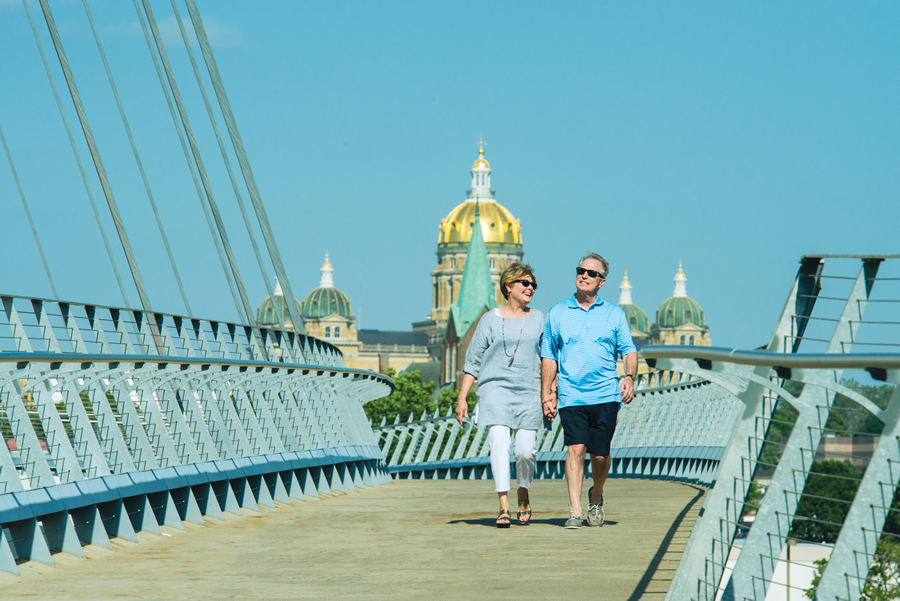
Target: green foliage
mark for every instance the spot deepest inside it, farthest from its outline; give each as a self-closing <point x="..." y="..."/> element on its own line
<point x="783" y="419"/>
<point x="821" y="501"/>
<point x="412" y="396"/>
<point x="754" y="496"/>
<point x="881" y="582"/>
<point x="849" y="419"/>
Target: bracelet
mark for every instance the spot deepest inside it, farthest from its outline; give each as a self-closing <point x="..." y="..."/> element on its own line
<point x="628" y="376"/>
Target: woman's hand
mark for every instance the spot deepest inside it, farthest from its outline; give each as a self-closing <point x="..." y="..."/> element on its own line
<point x="462" y="409"/>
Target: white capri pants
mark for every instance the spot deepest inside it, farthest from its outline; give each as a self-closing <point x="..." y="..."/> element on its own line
<point x="526" y="451"/>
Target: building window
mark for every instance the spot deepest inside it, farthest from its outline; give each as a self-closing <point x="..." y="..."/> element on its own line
<point x="687" y="316"/>
<point x="452" y="263"/>
<point x="692" y="341"/>
<point x="682" y="340"/>
<point x="337" y="332"/>
<point x="328" y="333"/>
<point x="493" y="264"/>
<point x="670" y="318"/>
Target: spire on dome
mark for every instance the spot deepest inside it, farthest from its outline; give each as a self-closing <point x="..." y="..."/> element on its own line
<point x="680" y="283"/>
<point x="625" y="291"/>
<point x="327" y="270"/>
<point x="476" y="292"/>
<point x="481" y="177"/>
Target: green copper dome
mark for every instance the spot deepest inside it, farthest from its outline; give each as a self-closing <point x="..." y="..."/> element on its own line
<point x="678" y="311"/>
<point x="637" y="319"/>
<point x="270" y="309"/>
<point x="325" y="301"/>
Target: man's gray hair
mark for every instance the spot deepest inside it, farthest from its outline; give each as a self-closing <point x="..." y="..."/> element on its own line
<point x="596" y="257"/>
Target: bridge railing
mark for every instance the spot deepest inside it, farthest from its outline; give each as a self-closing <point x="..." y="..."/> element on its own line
<point x="115" y="421"/>
<point x="837" y="303"/>
<point x="677" y="428"/>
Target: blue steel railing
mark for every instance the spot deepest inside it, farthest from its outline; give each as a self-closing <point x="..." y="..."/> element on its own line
<point x="114" y="421"/>
<point x="677" y="428"/>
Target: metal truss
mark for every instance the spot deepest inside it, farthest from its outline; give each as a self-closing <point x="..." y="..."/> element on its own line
<point x="756" y="378"/>
<point x="108" y="414"/>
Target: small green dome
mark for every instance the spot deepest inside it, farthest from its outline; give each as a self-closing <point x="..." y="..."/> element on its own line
<point x="678" y="311"/>
<point x="269" y="310"/>
<point x="637" y="319"/>
<point x="325" y="301"/>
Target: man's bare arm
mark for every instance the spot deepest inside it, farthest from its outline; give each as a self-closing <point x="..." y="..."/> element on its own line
<point x="548" y="377"/>
<point x="627" y="384"/>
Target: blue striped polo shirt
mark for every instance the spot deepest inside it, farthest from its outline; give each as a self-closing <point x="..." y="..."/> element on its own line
<point x="585" y="343"/>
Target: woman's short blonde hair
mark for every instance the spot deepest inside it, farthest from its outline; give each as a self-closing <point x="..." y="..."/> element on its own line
<point x="515" y="271"/>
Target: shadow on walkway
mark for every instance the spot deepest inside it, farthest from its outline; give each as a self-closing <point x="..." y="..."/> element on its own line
<point x="492" y="522"/>
<point x="680" y="530"/>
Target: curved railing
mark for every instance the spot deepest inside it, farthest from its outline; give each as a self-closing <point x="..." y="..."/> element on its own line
<point x="115" y="421"/>
<point x="676" y="428"/>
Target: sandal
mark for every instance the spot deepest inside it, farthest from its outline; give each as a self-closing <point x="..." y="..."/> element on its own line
<point x="524" y="516"/>
<point x="503" y="519"/>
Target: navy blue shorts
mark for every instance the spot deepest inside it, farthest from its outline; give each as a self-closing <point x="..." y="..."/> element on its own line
<point x="591" y="425"/>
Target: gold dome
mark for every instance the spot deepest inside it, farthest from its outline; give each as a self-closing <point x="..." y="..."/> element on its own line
<point x="498" y="226"/>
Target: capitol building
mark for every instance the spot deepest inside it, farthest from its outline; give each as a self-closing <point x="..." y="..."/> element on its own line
<point x="477" y="240"/>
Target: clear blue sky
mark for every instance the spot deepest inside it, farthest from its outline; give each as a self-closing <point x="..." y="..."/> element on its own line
<point x="733" y="136"/>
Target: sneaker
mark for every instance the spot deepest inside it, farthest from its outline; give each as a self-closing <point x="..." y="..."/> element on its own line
<point x="574" y="522"/>
<point x="595" y="510"/>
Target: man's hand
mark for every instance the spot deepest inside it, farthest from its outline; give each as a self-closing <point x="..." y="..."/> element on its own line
<point x="627" y="383"/>
<point x="462" y="409"/>
<point x="627" y="388"/>
<point x="548" y="404"/>
<point x="548" y="382"/>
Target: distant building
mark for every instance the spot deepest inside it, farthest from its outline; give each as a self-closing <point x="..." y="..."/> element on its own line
<point x="502" y="238"/>
<point x="476" y="297"/>
<point x="638" y="322"/>
<point x="327" y="314"/>
<point x="679" y="319"/>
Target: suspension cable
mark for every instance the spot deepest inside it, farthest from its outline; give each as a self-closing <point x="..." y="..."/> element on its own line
<point x="98" y="164"/>
<point x="87" y="187"/>
<point x="137" y="159"/>
<point x="187" y="157"/>
<point x="234" y="184"/>
<point x="244" y="163"/>
<point x="251" y="319"/>
<point x="37" y="240"/>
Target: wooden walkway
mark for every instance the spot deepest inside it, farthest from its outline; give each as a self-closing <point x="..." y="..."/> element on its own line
<point x="407" y="540"/>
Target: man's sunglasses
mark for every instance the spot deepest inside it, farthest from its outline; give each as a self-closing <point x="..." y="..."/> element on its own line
<point x="590" y="272"/>
<point x="526" y="283"/>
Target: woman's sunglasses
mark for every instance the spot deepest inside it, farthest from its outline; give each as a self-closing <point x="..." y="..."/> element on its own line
<point x="590" y="272"/>
<point x="526" y="283"/>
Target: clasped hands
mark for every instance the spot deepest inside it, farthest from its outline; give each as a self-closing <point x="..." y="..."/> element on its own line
<point x="548" y="404"/>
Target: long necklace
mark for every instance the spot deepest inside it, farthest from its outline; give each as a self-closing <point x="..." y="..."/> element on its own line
<point x="503" y="334"/>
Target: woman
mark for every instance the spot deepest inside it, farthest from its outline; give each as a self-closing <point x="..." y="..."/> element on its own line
<point x="505" y="357"/>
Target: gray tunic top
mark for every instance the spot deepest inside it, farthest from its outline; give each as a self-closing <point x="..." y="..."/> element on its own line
<point x="509" y="384"/>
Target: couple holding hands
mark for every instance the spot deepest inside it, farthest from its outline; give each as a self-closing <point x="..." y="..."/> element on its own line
<point x="530" y="368"/>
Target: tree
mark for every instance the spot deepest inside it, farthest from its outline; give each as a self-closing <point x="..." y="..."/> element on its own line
<point x="412" y="396"/>
<point x="823" y="515"/>
<point x="783" y="419"/>
<point x="881" y="581"/>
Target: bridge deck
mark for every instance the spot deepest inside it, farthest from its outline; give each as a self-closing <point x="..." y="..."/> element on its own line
<point x="411" y="539"/>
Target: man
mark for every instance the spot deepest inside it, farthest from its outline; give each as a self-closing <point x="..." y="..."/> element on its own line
<point x="582" y="338"/>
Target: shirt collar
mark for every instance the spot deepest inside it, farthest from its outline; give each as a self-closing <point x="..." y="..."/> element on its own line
<point x="573" y="303"/>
